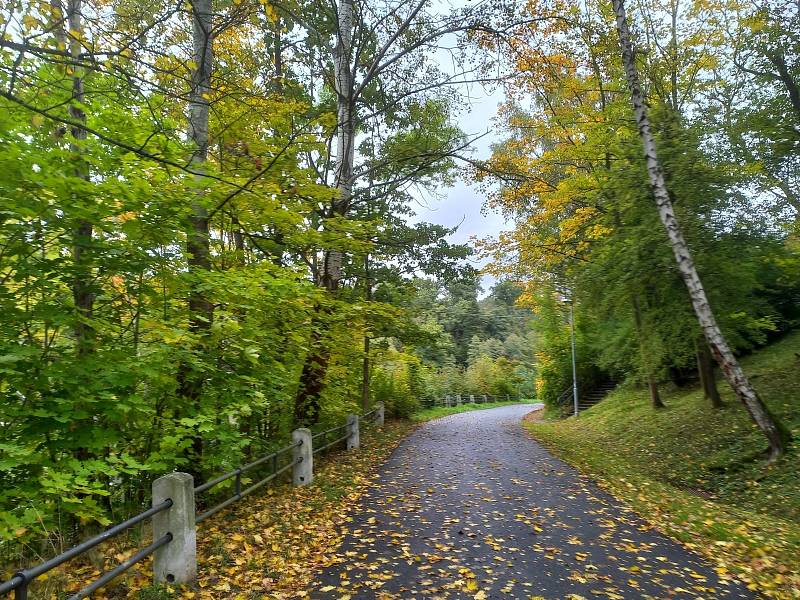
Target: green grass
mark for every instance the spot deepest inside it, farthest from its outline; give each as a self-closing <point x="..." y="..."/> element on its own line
<point x="428" y="414"/>
<point x="699" y="473"/>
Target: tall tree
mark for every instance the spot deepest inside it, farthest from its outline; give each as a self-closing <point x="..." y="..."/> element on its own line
<point x="775" y="434"/>
<point x="198" y="250"/>
<point x="377" y="64"/>
<point x="82" y="293"/>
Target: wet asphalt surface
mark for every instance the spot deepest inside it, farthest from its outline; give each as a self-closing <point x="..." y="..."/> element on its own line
<point x="470" y="506"/>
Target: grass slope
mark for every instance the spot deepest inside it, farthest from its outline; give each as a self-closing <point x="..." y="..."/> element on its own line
<point x="428" y="414"/>
<point x="697" y="473"/>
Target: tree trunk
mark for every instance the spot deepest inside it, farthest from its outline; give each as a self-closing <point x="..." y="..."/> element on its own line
<point x="655" y="397"/>
<point x="366" y="367"/>
<point x="306" y="406"/>
<point x="366" y="375"/>
<point x="774" y="432"/>
<point x="277" y="51"/>
<point x="652" y="384"/>
<point x="345" y="136"/>
<point x="673" y="56"/>
<point x="83" y="230"/>
<point x="778" y="60"/>
<point x="311" y="384"/>
<point x="705" y="369"/>
<point x="201" y="311"/>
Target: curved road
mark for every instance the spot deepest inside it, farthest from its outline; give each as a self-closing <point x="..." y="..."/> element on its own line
<point x="469" y="506"/>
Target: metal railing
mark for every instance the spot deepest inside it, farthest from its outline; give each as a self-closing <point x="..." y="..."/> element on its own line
<point x="459" y="399"/>
<point x="565" y="397"/>
<point x="324" y="435"/>
<point x="238" y="492"/>
<point x="180" y="566"/>
<point x="22" y="578"/>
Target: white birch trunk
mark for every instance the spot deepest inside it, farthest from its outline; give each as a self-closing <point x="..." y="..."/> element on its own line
<point x="345" y="133"/>
<point x="197" y="244"/>
<point x="201" y="79"/>
<point x="198" y="236"/>
<point x="716" y="341"/>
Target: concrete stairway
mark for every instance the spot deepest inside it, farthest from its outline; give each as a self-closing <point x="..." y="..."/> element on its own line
<point x="594" y="395"/>
<point x="587" y="397"/>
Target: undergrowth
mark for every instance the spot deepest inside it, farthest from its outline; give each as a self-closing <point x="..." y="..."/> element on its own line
<point x="268" y="545"/>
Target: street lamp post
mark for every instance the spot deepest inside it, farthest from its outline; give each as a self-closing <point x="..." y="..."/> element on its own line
<point x="574" y="366"/>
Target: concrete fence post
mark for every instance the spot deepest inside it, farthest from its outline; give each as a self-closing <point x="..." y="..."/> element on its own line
<point x="303" y="456"/>
<point x="484" y="398"/>
<point x="175" y="562"/>
<point x="353" y="437"/>
<point x="458" y="399"/>
<point x="380" y="414"/>
<point x="471" y="399"/>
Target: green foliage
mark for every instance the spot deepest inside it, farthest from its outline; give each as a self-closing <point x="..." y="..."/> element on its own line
<point x="496" y="377"/>
<point x="397" y="382"/>
<point x="423" y="360"/>
<point x="570" y="172"/>
<point x="101" y="397"/>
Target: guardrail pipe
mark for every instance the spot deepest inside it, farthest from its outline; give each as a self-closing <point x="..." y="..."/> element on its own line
<point x="353" y="436"/>
<point x="380" y="413"/>
<point x="176" y="562"/>
<point x="303" y="457"/>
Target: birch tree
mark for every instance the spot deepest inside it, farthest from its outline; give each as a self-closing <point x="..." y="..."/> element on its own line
<point x="201" y="311"/>
<point x="775" y="434"/>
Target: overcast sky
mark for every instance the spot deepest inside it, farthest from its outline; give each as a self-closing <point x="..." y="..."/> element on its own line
<point x="461" y="204"/>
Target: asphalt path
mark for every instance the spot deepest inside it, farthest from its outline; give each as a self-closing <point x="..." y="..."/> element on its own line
<point x="470" y="506"/>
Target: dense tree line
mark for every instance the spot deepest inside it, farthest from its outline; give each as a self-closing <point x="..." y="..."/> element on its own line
<point x="200" y="205"/>
<point x="205" y="208"/>
<point x="457" y="343"/>
<point x="713" y="88"/>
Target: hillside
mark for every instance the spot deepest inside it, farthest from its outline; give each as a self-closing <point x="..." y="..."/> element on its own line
<point x="697" y="473"/>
